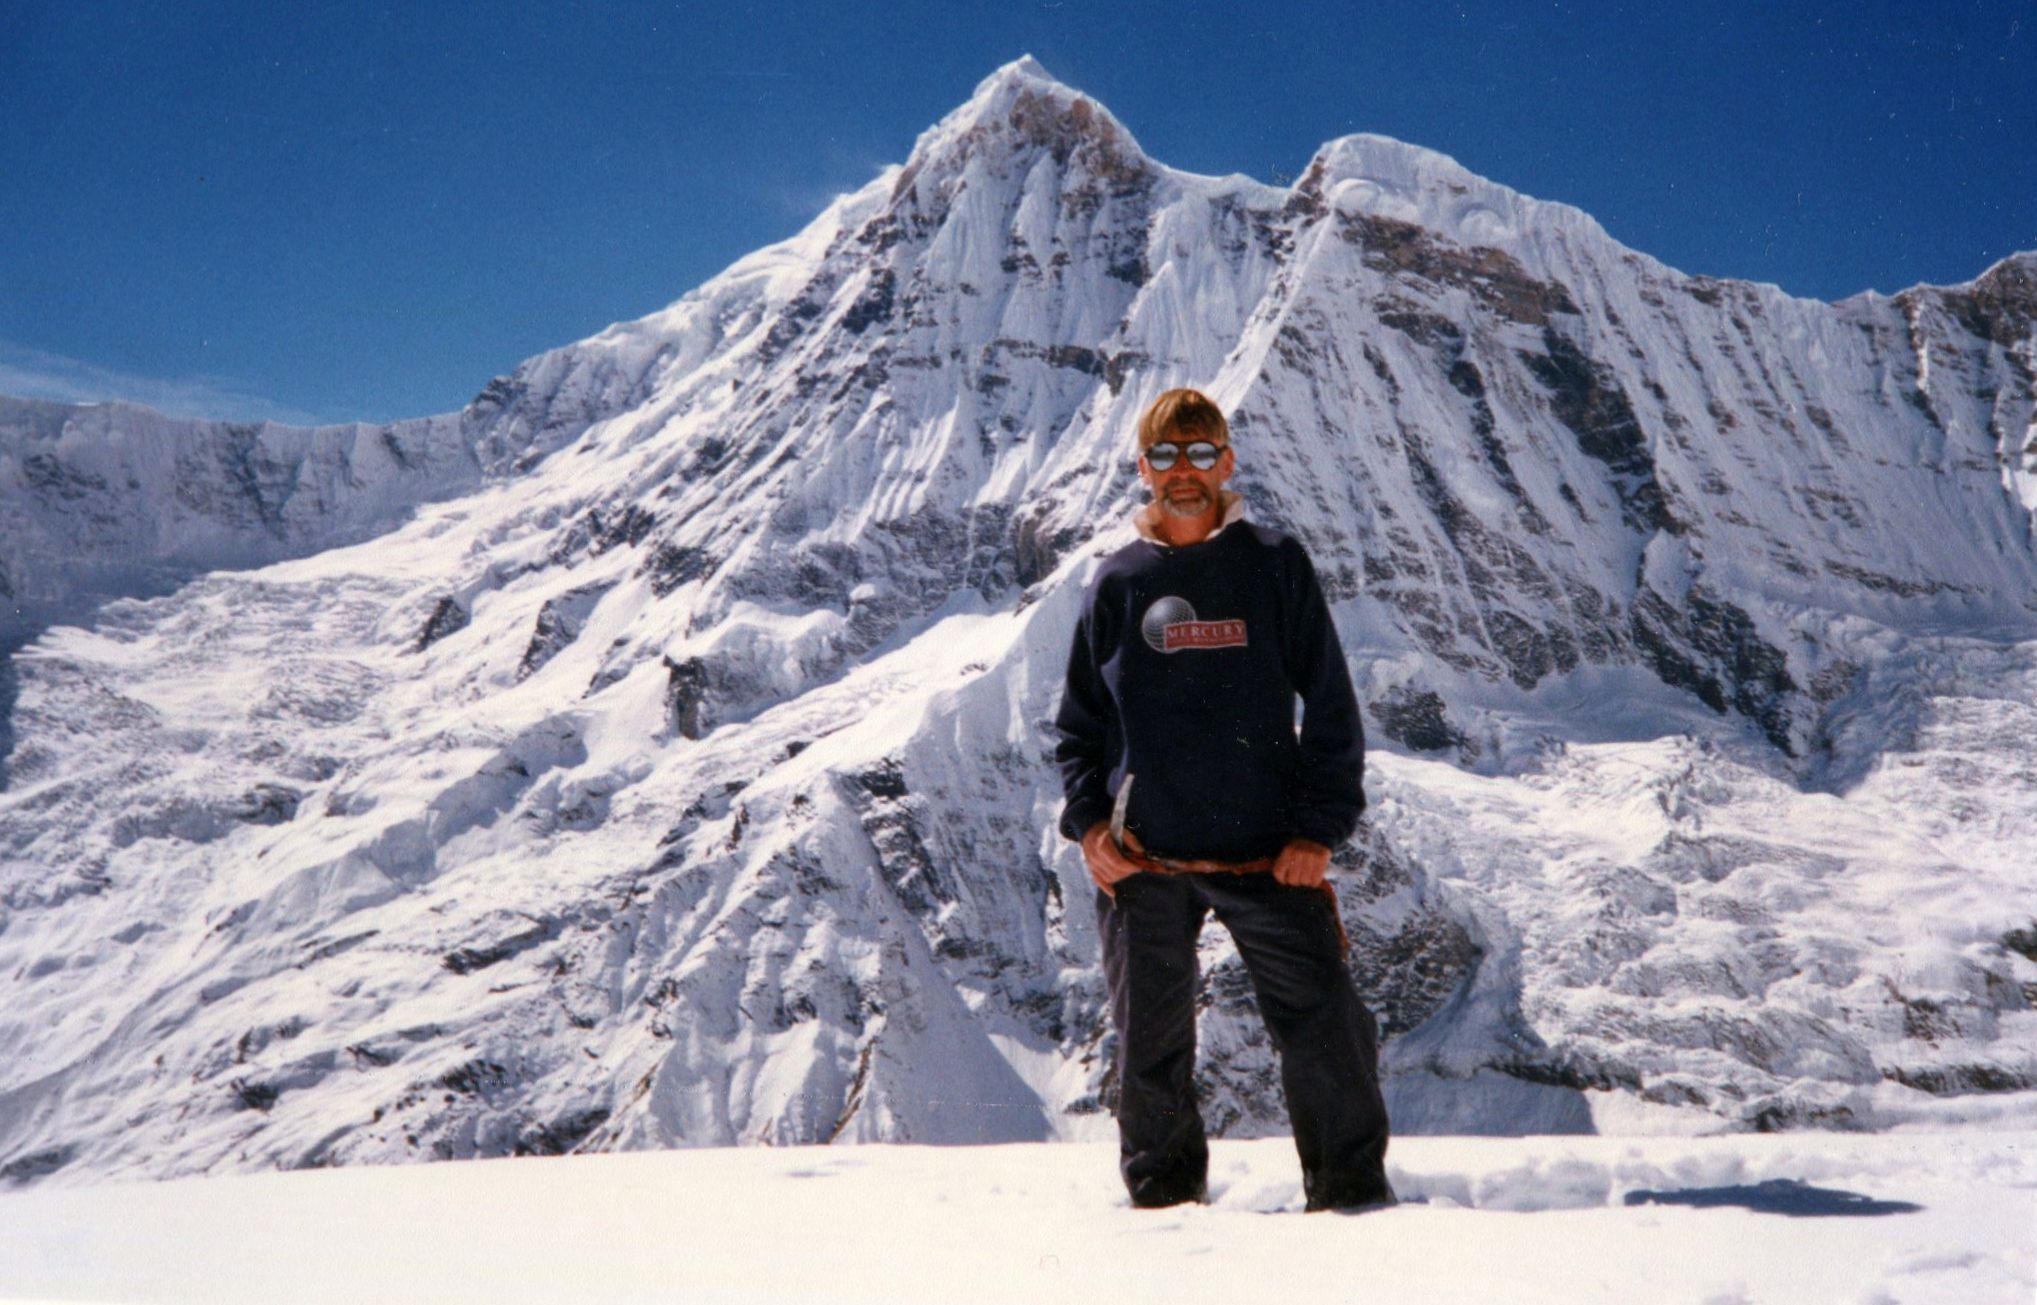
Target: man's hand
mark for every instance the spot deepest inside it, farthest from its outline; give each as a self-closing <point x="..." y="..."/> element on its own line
<point x="1107" y="865"/>
<point x="1302" y="863"/>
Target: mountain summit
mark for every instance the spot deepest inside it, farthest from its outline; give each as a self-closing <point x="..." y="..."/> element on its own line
<point x="677" y="772"/>
<point x="1022" y="105"/>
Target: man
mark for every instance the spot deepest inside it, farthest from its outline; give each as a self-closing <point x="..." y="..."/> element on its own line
<point x="1191" y="792"/>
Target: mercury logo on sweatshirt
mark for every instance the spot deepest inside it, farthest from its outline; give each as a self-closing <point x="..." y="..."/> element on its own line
<point x="1170" y="625"/>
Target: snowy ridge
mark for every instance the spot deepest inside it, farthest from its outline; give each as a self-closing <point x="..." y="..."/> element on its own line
<point x="1385" y="178"/>
<point x="684" y="779"/>
<point x="110" y="499"/>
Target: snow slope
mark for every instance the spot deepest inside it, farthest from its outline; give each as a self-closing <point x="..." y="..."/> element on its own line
<point x="1567" y="1221"/>
<point x="683" y="779"/>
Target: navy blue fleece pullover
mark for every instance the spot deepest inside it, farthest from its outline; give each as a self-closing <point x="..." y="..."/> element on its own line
<point x="1184" y="672"/>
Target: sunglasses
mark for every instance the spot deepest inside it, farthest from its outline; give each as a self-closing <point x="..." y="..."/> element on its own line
<point x="1202" y="455"/>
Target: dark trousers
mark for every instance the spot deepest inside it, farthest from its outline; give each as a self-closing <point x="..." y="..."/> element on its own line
<point x="1327" y="1041"/>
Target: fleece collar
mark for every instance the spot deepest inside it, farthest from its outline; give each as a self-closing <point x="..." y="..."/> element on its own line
<point x="1148" y="516"/>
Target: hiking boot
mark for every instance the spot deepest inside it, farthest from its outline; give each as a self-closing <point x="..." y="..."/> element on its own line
<point x="1164" y="1198"/>
<point x="1354" y="1198"/>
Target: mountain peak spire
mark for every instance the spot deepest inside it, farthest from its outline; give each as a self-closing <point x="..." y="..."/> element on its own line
<point x="1023" y="104"/>
<point x="1025" y="68"/>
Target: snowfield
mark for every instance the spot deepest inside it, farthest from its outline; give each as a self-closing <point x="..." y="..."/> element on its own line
<point x="1798" y="1220"/>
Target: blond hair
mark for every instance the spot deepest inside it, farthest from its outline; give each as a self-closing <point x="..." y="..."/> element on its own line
<point x="1181" y="415"/>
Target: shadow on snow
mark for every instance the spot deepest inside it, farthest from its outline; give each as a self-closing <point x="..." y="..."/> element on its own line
<point x="1788" y="1196"/>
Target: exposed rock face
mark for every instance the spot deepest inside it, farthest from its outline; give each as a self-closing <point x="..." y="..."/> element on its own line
<point x="685" y="776"/>
<point x="560" y="622"/>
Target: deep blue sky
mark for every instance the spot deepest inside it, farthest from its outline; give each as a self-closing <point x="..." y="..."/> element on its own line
<point x="366" y="210"/>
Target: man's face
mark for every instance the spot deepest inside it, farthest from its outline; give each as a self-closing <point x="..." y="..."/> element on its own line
<point x="1183" y="489"/>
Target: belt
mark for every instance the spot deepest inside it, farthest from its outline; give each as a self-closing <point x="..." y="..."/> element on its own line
<point x="1168" y="865"/>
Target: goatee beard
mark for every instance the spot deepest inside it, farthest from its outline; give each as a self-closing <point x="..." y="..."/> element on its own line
<point x="1186" y="506"/>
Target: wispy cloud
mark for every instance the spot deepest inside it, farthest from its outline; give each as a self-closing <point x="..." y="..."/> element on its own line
<point x="38" y="374"/>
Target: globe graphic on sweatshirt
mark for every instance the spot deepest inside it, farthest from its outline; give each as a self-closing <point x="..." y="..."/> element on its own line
<point x="1163" y="613"/>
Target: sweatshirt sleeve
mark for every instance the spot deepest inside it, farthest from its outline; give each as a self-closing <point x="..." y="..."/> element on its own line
<point x="1329" y="791"/>
<point x="1086" y="724"/>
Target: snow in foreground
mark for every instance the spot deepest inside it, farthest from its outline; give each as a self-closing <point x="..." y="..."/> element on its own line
<point x="1795" y="1218"/>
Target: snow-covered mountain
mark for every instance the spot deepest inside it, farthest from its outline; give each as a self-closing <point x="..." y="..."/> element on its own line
<point x="114" y="500"/>
<point x="678" y="772"/>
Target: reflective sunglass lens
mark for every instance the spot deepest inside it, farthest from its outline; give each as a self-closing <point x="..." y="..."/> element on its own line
<point x="1202" y="455"/>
